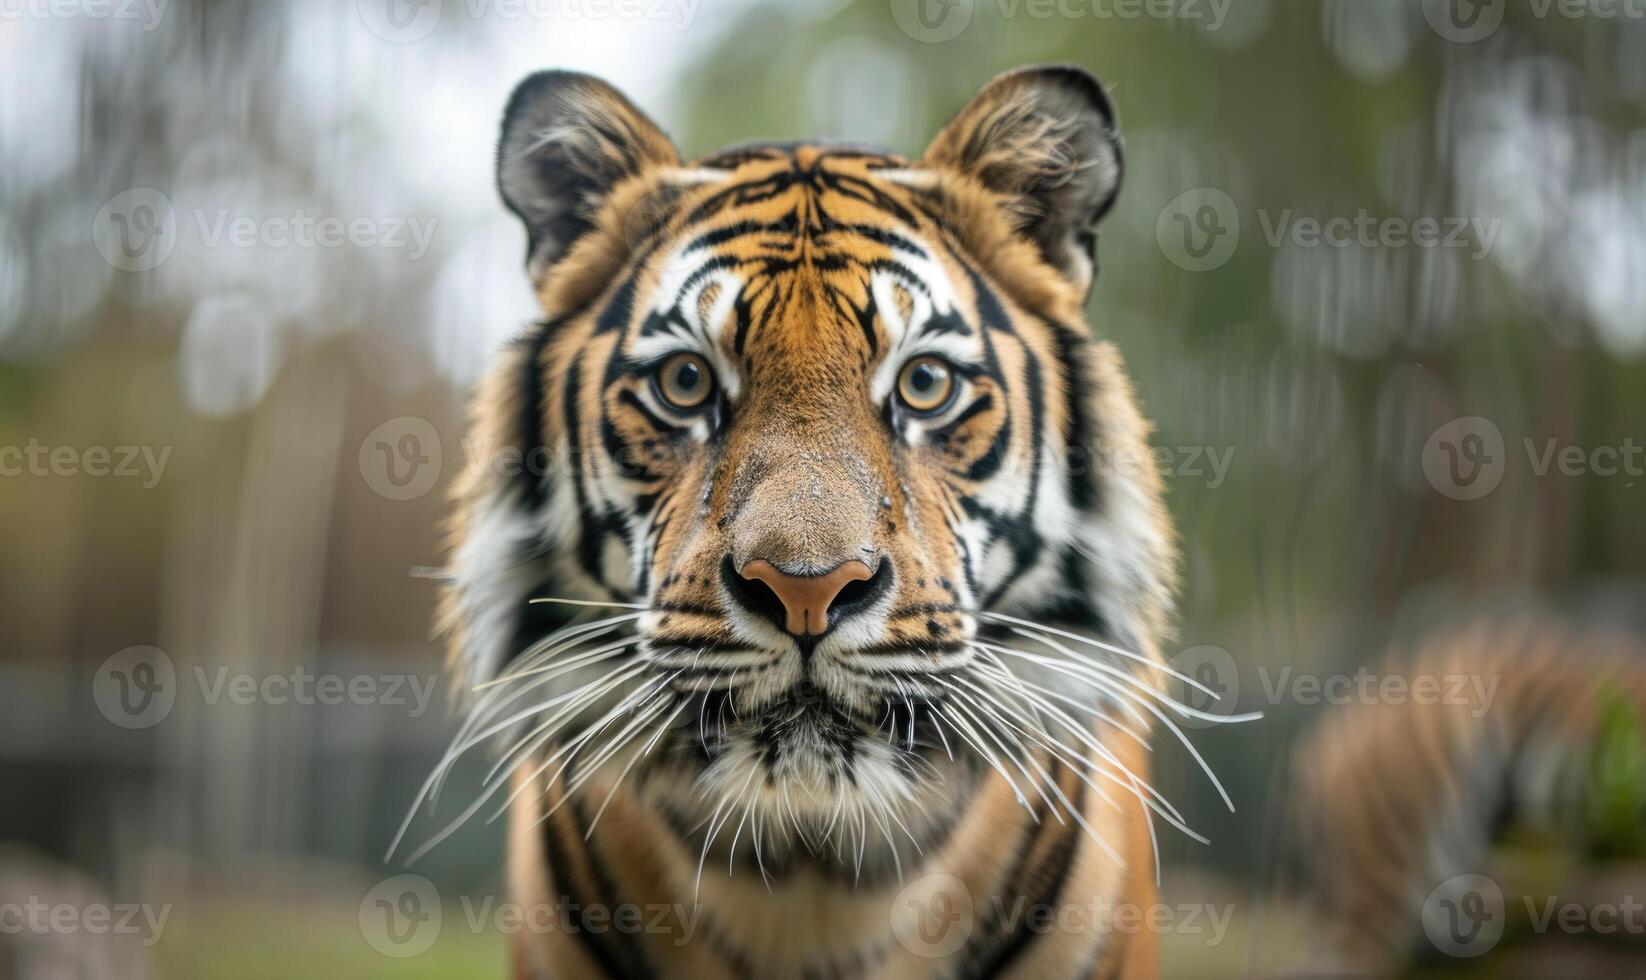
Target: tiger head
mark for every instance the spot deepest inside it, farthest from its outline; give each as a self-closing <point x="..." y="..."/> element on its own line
<point x="827" y="431"/>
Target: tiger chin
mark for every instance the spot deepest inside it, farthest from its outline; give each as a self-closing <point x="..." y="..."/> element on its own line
<point x="814" y="602"/>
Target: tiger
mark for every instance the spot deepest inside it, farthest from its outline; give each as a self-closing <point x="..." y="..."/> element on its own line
<point x="799" y="580"/>
<point x="1402" y="816"/>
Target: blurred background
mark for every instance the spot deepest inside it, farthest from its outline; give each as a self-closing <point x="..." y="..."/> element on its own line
<point x="1378" y="269"/>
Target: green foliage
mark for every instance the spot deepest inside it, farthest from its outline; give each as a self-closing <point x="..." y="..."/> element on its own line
<point x="1616" y="811"/>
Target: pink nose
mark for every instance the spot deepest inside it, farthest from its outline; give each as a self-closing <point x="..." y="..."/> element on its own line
<point x="806" y="598"/>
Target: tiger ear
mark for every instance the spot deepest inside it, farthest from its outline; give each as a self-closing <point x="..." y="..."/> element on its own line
<point x="1044" y="140"/>
<point x="568" y="139"/>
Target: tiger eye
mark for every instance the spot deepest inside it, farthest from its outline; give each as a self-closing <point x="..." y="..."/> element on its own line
<point x="685" y="381"/>
<point x="925" y="384"/>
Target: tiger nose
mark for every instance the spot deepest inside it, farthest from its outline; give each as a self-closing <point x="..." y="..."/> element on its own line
<point x="806" y="599"/>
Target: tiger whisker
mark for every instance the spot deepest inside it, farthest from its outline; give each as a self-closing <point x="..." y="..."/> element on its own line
<point x="597" y="603"/>
<point x="566" y="638"/>
<point x="572" y="748"/>
<point x="552" y="667"/>
<point x="1109" y="647"/>
<point x="938" y="727"/>
<point x="731" y="855"/>
<point x="966" y="732"/>
<point x="715" y="823"/>
<point x="617" y="783"/>
<point x="618" y="742"/>
<point x="1148" y="706"/>
<point x="589" y="659"/>
<point x="1016" y="761"/>
<point x="1039" y="693"/>
<point x="891" y="845"/>
<point x="489" y="789"/>
<point x="648" y="703"/>
<point x="1093" y="668"/>
<point x="463" y="741"/>
<point x="1087" y="739"/>
<point x="1079" y="763"/>
<point x="579" y="699"/>
<point x="1074" y="811"/>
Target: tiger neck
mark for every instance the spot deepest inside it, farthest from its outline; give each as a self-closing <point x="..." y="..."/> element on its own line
<point x="972" y="899"/>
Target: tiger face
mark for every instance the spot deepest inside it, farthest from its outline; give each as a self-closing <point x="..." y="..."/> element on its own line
<point x="823" y="426"/>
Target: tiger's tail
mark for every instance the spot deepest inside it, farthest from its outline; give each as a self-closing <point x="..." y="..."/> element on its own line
<point x="1518" y="729"/>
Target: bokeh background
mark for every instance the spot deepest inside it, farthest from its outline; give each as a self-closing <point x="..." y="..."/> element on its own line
<point x="230" y="440"/>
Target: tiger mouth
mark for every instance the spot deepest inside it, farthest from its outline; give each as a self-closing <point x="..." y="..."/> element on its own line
<point x="807" y="716"/>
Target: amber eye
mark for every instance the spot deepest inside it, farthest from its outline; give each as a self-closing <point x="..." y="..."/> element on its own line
<point x="685" y="381"/>
<point x="925" y="384"/>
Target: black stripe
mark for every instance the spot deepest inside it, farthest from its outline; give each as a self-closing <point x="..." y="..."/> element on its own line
<point x="628" y="949"/>
<point x="946" y="323"/>
<point x="534" y="488"/>
<point x="616" y="314"/>
<point x="989" y="463"/>
<point x="1061" y="862"/>
<point x="989" y="307"/>
<point x="981" y="404"/>
<point x="1081" y="484"/>
<point x="657" y="422"/>
<point x="559" y="857"/>
<point x="594" y="525"/>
